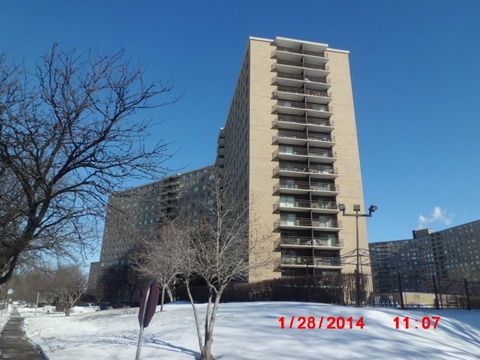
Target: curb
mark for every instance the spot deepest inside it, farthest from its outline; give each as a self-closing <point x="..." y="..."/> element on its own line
<point x="42" y="353"/>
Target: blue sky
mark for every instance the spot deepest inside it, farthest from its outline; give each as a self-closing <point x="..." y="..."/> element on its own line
<point x="415" y="70"/>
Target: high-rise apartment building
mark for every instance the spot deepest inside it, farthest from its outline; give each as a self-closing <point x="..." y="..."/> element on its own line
<point x="290" y="146"/>
<point x="451" y="254"/>
<point x="290" y="149"/>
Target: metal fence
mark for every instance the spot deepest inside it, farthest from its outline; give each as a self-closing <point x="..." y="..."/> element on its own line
<point x="361" y="290"/>
<point x="417" y="291"/>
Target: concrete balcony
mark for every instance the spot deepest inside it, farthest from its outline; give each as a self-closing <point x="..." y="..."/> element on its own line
<point x="293" y="122"/>
<point x="316" y="155"/>
<point x="300" y="170"/>
<point x="301" y="94"/>
<point x="296" y="80"/>
<point x="294" y="53"/>
<point x="304" y="187"/>
<point x="302" y="138"/>
<point x="289" y="66"/>
<point x="300" y="242"/>
<point x="302" y="205"/>
<point x="299" y="108"/>
<point x="310" y="262"/>
<point x="308" y="223"/>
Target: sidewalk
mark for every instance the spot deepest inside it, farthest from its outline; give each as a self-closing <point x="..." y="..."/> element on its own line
<point x="13" y="342"/>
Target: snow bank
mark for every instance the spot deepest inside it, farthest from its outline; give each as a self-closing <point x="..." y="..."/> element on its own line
<point x="85" y="309"/>
<point x="26" y="311"/>
<point x="251" y="331"/>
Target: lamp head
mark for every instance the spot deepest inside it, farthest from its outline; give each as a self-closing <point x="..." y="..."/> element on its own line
<point x="341" y="207"/>
<point x="372" y="209"/>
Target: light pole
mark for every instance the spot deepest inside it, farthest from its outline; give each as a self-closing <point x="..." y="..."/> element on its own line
<point x="357" y="214"/>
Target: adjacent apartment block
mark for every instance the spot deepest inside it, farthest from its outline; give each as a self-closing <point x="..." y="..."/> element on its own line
<point x="140" y="211"/>
<point x="290" y="145"/>
<point x="451" y="254"/>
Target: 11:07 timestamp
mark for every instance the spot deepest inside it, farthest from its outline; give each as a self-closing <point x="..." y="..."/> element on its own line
<point x="426" y="322"/>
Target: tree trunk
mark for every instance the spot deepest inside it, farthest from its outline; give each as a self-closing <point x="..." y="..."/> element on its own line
<point x="163" y="299"/>
<point x="195" y="315"/>
<point x="207" y="349"/>
<point x="207" y="317"/>
<point x="170" y="294"/>
<point x="68" y="309"/>
<point x="7" y="274"/>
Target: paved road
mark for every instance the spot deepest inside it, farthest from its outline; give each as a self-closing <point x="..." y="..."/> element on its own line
<point x="14" y="343"/>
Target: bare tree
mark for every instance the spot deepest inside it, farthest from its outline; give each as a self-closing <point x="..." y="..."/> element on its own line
<point x="68" y="283"/>
<point x="32" y="281"/>
<point x="159" y="260"/>
<point x="64" y="285"/>
<point x="217" y="249"/>
<point x="70" y="135"/>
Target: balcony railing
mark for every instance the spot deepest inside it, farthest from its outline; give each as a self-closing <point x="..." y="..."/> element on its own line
<point x="305" y="65"/>
<point x="307" y="222"/>
<point x="296" y="90"/>
<point x="305" y="168"/>
<point x="304" y="120"/>
<point x="291" y="76"/>
<point x="315" y="53"/>
<point x="307" y="78"/>
<point x="327" y="205"/>
<point x="311" y="261"/>
<point x="302" y="51"/>
<point x="303" y="185"/>
<point x="321" y="153"/>
<point x="303" y="136"/>
<point x="304" y="105"/>
<point x="314" y="169"/>
<point x="304" y="152"/>
<point x="308" y="241"/>
<point x="324" y="187"/>
<point x="303" y="203"/>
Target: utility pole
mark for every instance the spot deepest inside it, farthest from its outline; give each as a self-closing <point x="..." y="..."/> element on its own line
<point x="36" y="303"/>
<point x="400" y="290"/>
<point x="465" y="283"/>
<point x="357" y="214"/>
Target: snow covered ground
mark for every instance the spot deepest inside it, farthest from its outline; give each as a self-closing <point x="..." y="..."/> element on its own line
<point x="5" y="316"/>
<point x="251" y="331"/>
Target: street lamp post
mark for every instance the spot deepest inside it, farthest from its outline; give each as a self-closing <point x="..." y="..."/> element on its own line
<point x="357" y="214"/>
